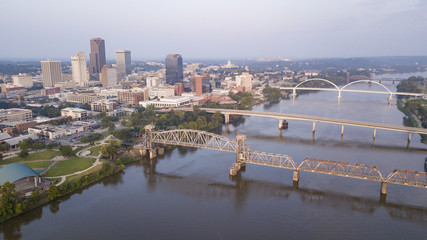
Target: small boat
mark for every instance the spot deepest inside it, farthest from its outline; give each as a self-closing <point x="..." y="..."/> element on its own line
<point x="425" y="164"/>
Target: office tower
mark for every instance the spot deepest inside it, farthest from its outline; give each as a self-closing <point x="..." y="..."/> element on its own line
<point x="201" y="84"/>
<point x="123" y="62"/>
<point x="245" y="81"/>
<point x="174" y="69"/>
<point x="97" y="56"/>
<point x="108" y="76"/>
<point x="51" y="72"/>
<point x="79" y="69"/>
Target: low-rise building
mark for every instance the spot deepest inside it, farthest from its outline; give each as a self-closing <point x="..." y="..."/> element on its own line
<point x="162" y="91"/>
<point x="103" y="105"/>
<point x="23" y="80"/>
<point x="75" y="113"/>
<point x="16" y="115"/>
<point x="130" y="97"/>
<point x="83" y="97"/>
<point x="50" y="91"/>
<point x="167" y="102"/>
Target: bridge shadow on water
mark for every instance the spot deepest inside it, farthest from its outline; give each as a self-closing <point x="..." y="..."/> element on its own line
<point x="282" y="138"/>
<point x="239" y="189"/>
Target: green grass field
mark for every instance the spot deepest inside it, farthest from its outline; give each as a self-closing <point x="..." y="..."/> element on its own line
<point x="74" y="164"/>
<point x="43" y="155"/>
<point x="35" y="165"/>
<point x="94" y="151"/>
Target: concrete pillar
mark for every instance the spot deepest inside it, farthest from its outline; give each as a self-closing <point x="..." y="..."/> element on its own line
<point x="342" y="130"/>
<point x="339" y="96"/>
<point x="227" y="118"/>
<point x="280" y="123"/>
<point x="233" y="171"/>
<point x="161" y="151"/>
<point x="295" y="177"/>
<point x="375" y="133"/>
<point x="153" y="153"/>
<point x="35" y="181"/>
<point x="409" y="137"/>
<point x="384" y="188"/>
<point x="390" y="99"/>
<point x="314" y="126"/>
<point x="294" y="93"/>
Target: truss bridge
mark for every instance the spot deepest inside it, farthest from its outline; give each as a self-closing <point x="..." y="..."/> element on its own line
<point x="244" y="155"/>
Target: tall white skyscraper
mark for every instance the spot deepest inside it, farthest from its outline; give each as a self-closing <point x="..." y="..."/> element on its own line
<point x="123" y="62"/>
<point x="51" y="72"/>
<point x="79" y="69"/>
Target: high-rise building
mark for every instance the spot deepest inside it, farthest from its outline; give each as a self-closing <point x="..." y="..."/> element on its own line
<point x="174" y="69"/>
<point x="97" y="56"/>
<point x="109" y="76"/>
<point x="51" y="72"/>
<point x="245" y="81"/>
<point x="201" y="84"/>
<point x="123" y="62"/>
<point x="79" y="69"/>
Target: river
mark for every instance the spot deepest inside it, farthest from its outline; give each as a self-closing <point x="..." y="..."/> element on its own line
<point x="188" y="194"/>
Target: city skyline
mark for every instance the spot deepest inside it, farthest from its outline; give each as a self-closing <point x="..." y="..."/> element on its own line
<point x="223" y="29"/>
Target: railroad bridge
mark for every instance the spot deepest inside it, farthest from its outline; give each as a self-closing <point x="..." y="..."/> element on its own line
<point x="244" y="155"/>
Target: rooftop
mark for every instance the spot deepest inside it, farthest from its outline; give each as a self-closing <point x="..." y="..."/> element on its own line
<point x="15" y="171"/>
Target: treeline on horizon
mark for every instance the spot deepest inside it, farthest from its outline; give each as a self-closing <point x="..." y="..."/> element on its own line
<point x="399" y="64"/>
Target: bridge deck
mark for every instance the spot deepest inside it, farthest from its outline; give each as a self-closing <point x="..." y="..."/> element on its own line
<point x="314" y="118"/>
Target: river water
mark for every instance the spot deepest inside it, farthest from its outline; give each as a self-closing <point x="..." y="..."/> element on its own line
<point x="188" y="194"/>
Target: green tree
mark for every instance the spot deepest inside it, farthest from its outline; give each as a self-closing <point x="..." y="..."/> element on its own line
<point x="217" y="117"/>
<point x="66" y="150"/>
<point x="1" y="156"/>
<point x="23" y="153"/>
<point x="110" y="150"/>
<point x="180" y="114"/>
<point x="8" y="200"/>
<point x="53" y="192"/>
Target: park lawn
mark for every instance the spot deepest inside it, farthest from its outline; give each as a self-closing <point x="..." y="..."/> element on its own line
<point x="94" y="151"/>
<point x="72" y="165"/>
<point x="43" y="155"/>
<point x="73" y="178"/>
<point x="35" y="165"/>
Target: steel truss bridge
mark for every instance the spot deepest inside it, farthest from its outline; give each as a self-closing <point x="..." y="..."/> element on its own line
<point x="344" y="89"/>
<point x="244" y="155"/>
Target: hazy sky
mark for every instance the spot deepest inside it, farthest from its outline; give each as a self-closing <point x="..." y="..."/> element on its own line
<point x="210" y="29"/>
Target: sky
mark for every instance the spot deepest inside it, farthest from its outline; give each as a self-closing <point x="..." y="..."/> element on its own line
<point x="214" y="29"/>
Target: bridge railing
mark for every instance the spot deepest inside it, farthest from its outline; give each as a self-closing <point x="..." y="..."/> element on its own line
<point x="345" y="169"/>
<point x="408" y="177"/>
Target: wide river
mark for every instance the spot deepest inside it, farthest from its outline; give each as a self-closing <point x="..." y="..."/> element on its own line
<point x="188" y="194"/>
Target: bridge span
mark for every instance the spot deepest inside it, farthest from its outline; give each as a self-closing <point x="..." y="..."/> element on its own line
<point x="244" y="155"/>
<point x="345" y="89"/>
<point x="283" y="116"/>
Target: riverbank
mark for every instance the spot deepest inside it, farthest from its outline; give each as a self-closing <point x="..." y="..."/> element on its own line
<point x="414" y="119"/>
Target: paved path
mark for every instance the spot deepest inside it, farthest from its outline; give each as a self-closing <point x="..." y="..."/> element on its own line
<point x="79" y="154"/>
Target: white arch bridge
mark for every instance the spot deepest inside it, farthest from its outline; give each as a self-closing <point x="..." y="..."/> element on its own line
<point x="244" y="155"/>
<point x="344" y="88"/>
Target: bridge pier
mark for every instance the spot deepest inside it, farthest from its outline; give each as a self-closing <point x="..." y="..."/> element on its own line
<point x="226" y="118"/>
<point x="240" y="155"/>
<point x="384" y="188"/>
<point x="294" y="93"/>
<point x="339" y="96"/>
<point x="295" y="176"/>
<point x="390" y="99"/>
<point x="375" y="133"/>
<point x="409" y="137"/>
<point x="342" y="130"/>
<point x="314" y="126"/>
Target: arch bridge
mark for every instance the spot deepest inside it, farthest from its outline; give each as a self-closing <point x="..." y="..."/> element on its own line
<point x="244" y="155"/>
<point x="344" y="88"/>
